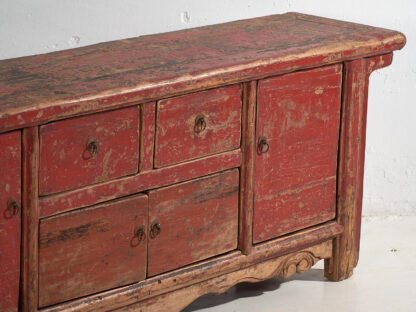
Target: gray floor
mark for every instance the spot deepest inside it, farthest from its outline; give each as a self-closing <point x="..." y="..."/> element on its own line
<point x="384" y="280"/>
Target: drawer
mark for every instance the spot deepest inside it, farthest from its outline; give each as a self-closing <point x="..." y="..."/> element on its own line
<point x="198" y="219"/>
<point x="296" y="164"/>
<point x="86" y="150"/>
<point x="197" y="125"/>
<point x="10" y="220"/>
<point x="92" y="249"/>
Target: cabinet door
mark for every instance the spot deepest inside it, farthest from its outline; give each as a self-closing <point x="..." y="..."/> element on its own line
<point x="10" y="198"/>
<point x="192" y="221"/>
<point x="93" y="249"/>
<point x="297" y="136"/>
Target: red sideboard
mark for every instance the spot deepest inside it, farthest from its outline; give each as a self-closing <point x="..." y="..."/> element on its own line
<point x="140" y="174"/>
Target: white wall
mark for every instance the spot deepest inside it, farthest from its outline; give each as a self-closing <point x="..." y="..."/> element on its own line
<point x="39" y="26"/>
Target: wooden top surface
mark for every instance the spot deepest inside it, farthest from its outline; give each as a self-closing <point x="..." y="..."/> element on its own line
<point x="41" y="88"/>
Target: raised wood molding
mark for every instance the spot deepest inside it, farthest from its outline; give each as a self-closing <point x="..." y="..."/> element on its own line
<point x="30" y="220"/>
<point x="284" y="267"/>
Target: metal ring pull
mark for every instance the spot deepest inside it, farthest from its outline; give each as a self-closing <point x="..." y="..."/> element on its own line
<point x="200" y="124"/>
<point x="139" y="236"/>
<point x="263" y="146"/>
<point x="91" y="150"/>
<point x="12" y="208"/>
<point x="155" y="229"/>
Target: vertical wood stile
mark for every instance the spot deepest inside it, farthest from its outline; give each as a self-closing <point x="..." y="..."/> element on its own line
<point x="30" y="220"/>
<point x="351" y="164"/>
<point x="248" y="149"/>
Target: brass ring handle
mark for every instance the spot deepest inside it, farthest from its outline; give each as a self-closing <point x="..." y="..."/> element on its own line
<point x="263" y="146"/>
<point x="155" y="229"/>
<point x="91" y="150"/>
<point x="139" y="236"/>
<point x="200" y="124"/>
<point x="12" y="208"/>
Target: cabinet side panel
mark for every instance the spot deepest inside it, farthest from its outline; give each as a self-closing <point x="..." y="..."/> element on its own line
<point x="10" y="183"/>
<point x="298" y="115"/>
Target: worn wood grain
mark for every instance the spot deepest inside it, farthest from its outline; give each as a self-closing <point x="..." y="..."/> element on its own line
<point x="64" y="150"/>
<point x="30" y="220"/>
<point x="283" y="267"/>
<point x="47" y="87"/>
<point x="91" y="250"/>
<point x="199" y="218"/>
<point x="179" y="136"/>
<point x="248" y="150"/>
<point x="151" y="179"/>
<point x="295" y="179"/>
<point x="10" y="220"/>
<point x="351" y="164"/>
<point x="147" y="137"/>
<point x="203" y="271"/>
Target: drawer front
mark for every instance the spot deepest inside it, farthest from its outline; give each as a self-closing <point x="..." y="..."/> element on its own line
<point x="85" y="150"/>
<point x="92" y="250"/>
<point x="297" y="136"/>
<point x="10" y="220"/>
<point x="198" y="219"/>
<point x="197" y="125"/>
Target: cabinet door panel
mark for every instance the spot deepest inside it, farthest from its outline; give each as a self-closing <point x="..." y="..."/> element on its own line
<point x="92" y="249"/>
<point x="10" y="220"/>
<point x="295" y="180"/>
<point x="199" y="219"/>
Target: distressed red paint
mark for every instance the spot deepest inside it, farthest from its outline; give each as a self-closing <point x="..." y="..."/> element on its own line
<point x="91" y="250"/>
<point x="198" y="125"/>
<point x="10" y="190"/>
<point x="295" y="179"/>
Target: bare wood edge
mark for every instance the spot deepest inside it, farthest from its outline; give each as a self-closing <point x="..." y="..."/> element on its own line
<point x="351" y="164"/>
<point x="30" y="220"/>
<point x="247" y="166"/>
<point x="284" y="267"/>
<point x="200" y="272"/>
<point x="142" y="181"/>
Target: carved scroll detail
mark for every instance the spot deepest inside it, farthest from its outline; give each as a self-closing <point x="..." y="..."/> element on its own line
<point x="299" y="263"/>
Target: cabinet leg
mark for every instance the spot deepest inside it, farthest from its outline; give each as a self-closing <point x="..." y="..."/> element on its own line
<point x="351" y="164"/>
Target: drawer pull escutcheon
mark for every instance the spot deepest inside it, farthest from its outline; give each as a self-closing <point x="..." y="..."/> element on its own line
<point x="12" y="208"/>
<point x="263" y="146"/>
<point x="155" y="229"/>
<point x="91" y="150"/>
<point x="139" y="236"/>
<point x="200" y="124"/>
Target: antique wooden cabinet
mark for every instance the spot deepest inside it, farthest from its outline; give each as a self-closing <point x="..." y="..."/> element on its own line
<point x="140" y="174"/>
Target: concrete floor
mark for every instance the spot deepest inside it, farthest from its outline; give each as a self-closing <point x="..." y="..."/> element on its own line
<point x="384" y="280"/>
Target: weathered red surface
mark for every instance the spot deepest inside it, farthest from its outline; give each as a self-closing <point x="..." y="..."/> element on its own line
<point x="199" y="219"/>
<point x="147" y="139"/>
<point x="143" y="181"/>
<point x="91" y="250"/>
<point x="10" y="182"/>
<point x="295" y="181"/>
<point x="177" y="137"/>
<point x="47" y="87"/>
<point x="63" y="150"/>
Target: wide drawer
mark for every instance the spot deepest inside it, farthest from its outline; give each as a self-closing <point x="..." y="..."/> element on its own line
<point x="197" y="125"/>
<point x="86" y="150"/>
<point x="197" y="220"/>
<point x="91" y="250"/>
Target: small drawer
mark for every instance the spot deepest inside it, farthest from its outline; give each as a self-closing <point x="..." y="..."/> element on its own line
<point x="192" y="221"/>
<point x="197" y="125"/>
<point x="86" y="150"/>
<point x="93" y="249"/>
